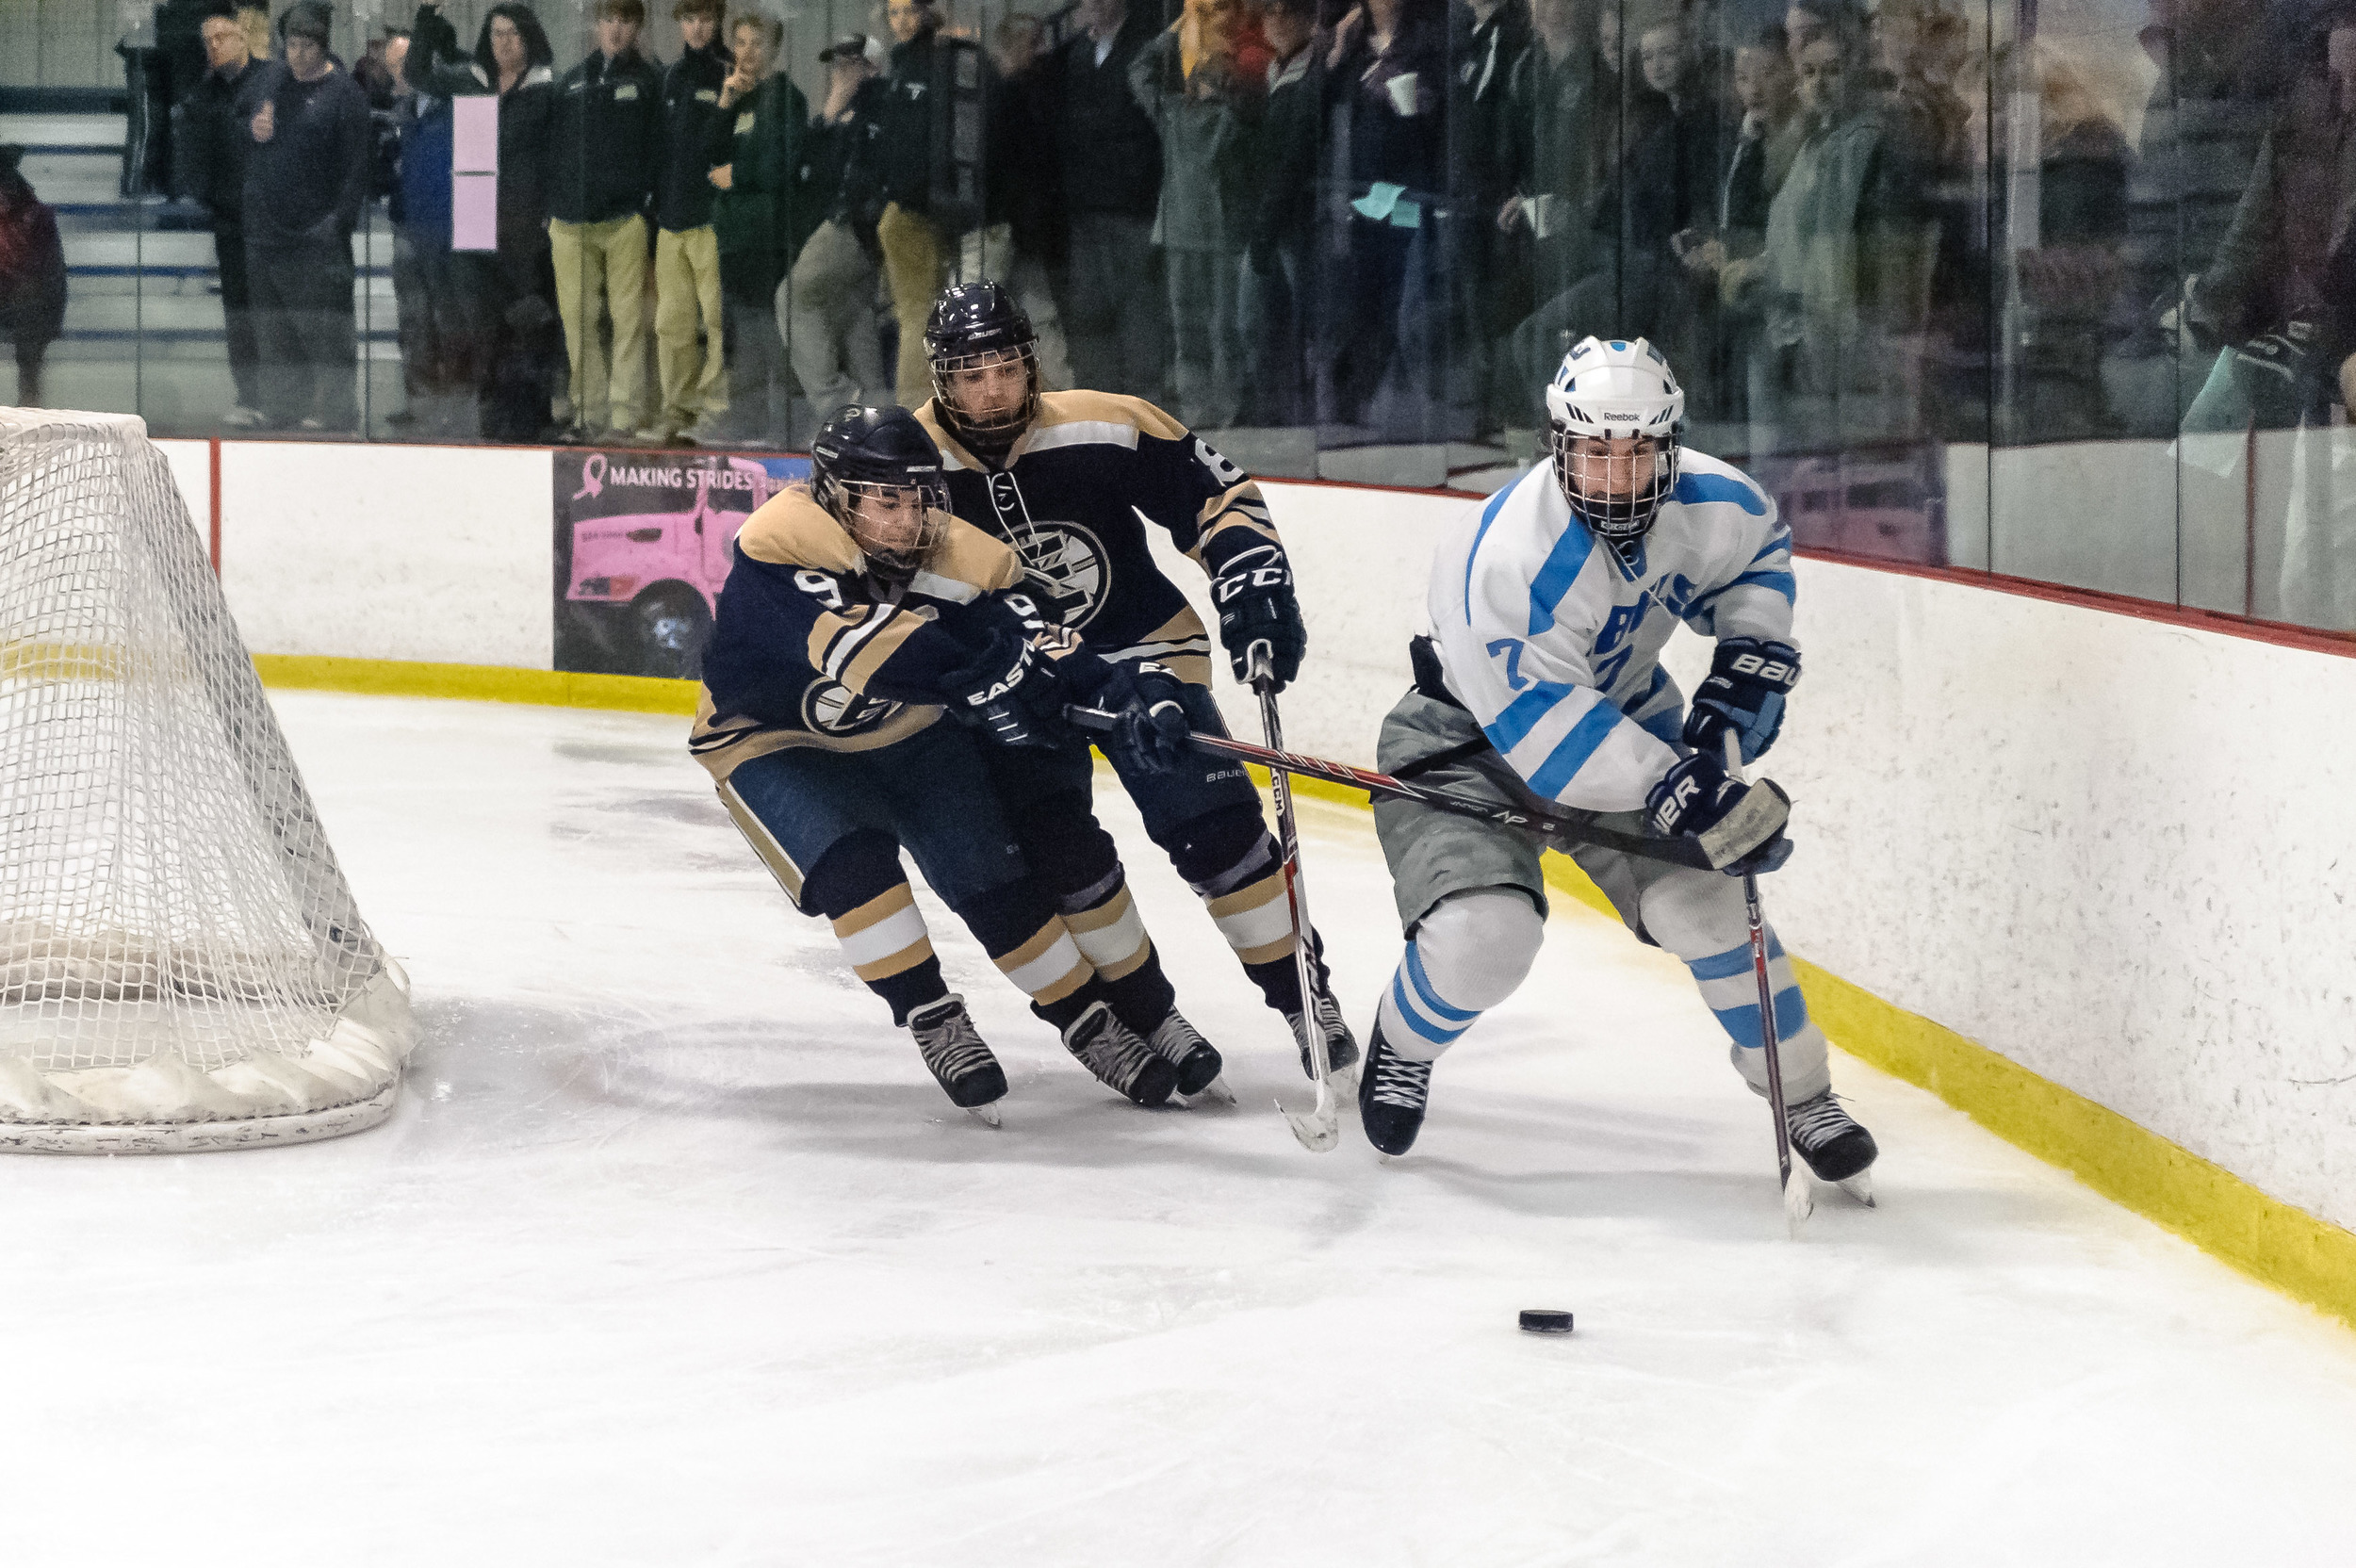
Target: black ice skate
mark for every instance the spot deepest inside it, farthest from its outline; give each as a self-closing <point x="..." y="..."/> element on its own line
<point x="1122" y="1062"/>
<point x="1341" y="1046"/>
<point x="1392" y="1095"/>
<point x="1197" y="1061"/>
<point x="954" y="1051"/>
<point x="1834" y="1146"/>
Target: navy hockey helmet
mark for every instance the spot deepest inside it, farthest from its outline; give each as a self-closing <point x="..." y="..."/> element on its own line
<point x="878" y="472"/>
<point x="973" y="326"/>
<point x="1615" y="416"/>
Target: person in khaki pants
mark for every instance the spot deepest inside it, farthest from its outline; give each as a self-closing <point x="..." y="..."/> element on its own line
<point x="826" y="305"/>
<point x="686" y="247"/>
<point x="604" y="152"/>
<point x="916" y="240"/>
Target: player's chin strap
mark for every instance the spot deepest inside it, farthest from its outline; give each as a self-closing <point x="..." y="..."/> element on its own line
<point x="1318" y="1128"/>
<point x="1799" y="1199"/>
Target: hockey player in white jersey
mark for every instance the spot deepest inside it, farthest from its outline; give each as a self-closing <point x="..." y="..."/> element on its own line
<point x="1541" y="677"/>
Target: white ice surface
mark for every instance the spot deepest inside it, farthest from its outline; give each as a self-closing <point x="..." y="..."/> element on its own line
<point x="673" y="1253"/>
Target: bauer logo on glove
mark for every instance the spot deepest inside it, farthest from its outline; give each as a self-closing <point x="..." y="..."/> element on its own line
<point x="1744" y="695"/>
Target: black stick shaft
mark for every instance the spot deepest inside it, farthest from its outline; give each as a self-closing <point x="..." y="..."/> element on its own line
<point x="1561" y="830"/>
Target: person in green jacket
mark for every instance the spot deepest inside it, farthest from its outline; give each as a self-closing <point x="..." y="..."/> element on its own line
<point x="761" y="221"/>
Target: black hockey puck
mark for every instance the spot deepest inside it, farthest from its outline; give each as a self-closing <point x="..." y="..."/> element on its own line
<point x="1546" y="1320"/>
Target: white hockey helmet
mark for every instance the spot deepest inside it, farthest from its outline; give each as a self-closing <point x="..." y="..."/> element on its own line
<point x="1616" y="413"/>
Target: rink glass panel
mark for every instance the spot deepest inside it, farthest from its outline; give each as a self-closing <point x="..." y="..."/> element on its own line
<point x="2002" y="322"/>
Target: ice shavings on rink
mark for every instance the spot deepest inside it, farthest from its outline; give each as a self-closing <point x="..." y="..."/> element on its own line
<point x="673" y="1253"/>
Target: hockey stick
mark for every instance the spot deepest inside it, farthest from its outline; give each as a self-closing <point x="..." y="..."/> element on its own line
<point x="1320" y="1127"/>
<point x="1560" y="830"/>
<point x="1799" y="1195"/>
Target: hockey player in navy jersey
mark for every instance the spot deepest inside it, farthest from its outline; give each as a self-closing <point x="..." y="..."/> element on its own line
<point x="1548" y="607"/>
<point x="1073" y="480"/>
<point x="850" y="605"/>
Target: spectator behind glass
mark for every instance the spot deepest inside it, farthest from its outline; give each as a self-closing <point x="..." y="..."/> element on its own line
<point x="1837" y="288"/>
<point x="763" y="216"/>
<point x="686" y="248"/>
<point x="1284" y="221"/>
<point x="915" y="238"/>
<point x="433" y="339"/>
<point x="1110" y="162"/>
<point x="604" y="152"/>
<point x="1489" y="277"/>
<point x="1386" y="73"/>
<point x="826" y="305"/>
<point x="511" y="350"/>
<point x="1200" y="81"/>
<point x="1564" y="131"/>
<point x="2066" y="292"/>
<point x="1753" y="163"/>
<point x="215" y="140"/>
<point x="32" y="275"/>
<point x="1022" y="243"/>
<point x="305" y="181"/>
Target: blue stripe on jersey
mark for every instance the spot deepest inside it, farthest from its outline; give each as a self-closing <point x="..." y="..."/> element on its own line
<point x="1698" y="489"/>
<point x="1522" y="715"/>
<point x="1556" y="575"/>
<point x="1733" y="961"/>
<point x="1782" y="581"/>
<point x="1566" y="760"/>
<point x="1488" y="515"/>
<point x="1782" y="541"/>
<point x="1429" y="997"/>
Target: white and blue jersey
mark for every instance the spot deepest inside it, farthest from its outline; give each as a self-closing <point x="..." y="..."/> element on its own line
<point x="1552" y="639"/>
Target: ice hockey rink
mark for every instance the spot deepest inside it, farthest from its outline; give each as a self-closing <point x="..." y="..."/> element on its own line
<point x="672" y="1252"/>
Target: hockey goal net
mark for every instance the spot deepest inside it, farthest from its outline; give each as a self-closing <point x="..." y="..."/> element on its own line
<point x="181" y="965"/>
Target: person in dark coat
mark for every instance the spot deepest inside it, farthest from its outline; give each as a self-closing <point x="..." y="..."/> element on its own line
<point x="32" y="275"/>
<point x="212" y="141"/>
<point x="306" y="179"/>
<point x="1281" y="221"/>
<point x="1486" y="39"/>
<point x="1386" y="88"/>
<point x="688" y="336"/>
<point x="917" y="164"/>
<point x="1111" y="166"/>
<point x="763" y="216"/>
<point x="605" y="152"/>
<point x="507" y="298"/>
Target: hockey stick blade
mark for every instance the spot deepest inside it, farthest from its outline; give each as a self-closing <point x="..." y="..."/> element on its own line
<point x="1799" y="1196"/>
<point x="1318" y="1128"/>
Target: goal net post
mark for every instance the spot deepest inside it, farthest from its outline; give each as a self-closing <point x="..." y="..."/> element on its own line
<point x="182" y="966"/>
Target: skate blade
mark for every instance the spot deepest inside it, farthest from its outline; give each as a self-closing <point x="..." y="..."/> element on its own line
<point x="986" y="1114"/>
<point x="1799" y="1197"/>
<point x="1216" y="1092"/>
<point x="1318" y="1128"/>
<point x="1861" y="1186"/>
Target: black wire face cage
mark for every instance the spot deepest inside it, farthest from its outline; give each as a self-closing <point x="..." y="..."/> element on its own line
<point x="1005" y="427"/>
<point x="892" y="556"/>
<point x="1620" y="518"/>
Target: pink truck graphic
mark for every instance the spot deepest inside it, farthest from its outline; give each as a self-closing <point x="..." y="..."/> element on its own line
<point x="647" y="564"/>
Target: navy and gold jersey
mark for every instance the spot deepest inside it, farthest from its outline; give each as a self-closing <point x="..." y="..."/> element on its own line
<point x="807" y="650"/>
<point x="1074" y="498"/>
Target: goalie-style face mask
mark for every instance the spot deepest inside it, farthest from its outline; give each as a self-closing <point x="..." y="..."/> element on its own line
<point x="1616" y="414"/>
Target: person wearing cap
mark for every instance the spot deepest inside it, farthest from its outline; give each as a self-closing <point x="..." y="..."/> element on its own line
<point x="686" y="248"/>
<point x="923" y="212"/>
<point x="826" y="305"/>
<point x="305" y="179"/>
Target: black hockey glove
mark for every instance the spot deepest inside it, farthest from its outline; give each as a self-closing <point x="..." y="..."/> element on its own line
<point x="1154" y="729"/>
<point x="1254" y="594"/>
<point x="1149" y="732"/>
<point x="1740" y="827"/>
<point x="1004" y="692"/>
<point x="1748" y="681"/>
